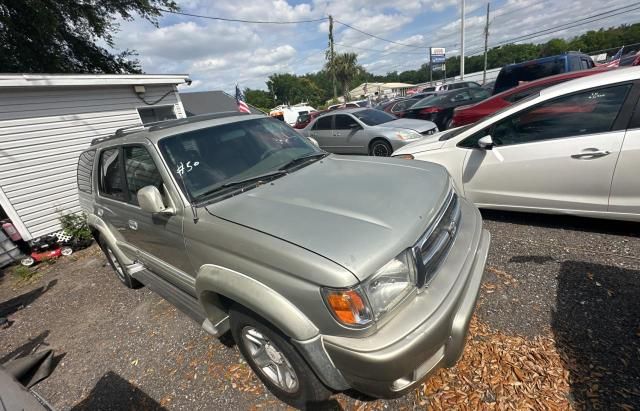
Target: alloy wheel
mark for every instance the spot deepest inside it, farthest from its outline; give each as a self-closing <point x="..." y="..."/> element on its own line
<point x="116" y="264"/>
<point x="270" y="360"/>
<point x="380" y="150"/>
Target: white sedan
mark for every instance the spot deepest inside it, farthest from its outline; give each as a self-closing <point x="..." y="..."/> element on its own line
<point x="573" y="148"/>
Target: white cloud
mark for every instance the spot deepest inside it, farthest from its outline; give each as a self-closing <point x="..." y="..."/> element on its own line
<point x="217" y="54"/>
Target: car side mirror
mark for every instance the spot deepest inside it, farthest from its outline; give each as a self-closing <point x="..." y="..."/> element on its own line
<point x="486" y="142"/>
<point x="354" y="126"/>
<point x="150" y="200"/>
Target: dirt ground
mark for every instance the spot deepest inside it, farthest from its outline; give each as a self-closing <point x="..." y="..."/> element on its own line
<point x="556" y="327"/>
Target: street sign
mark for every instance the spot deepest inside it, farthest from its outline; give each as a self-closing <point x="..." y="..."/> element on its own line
<point x="437" y="55"/>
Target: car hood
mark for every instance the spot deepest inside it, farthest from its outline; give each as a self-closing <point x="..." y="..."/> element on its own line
<point x="359" y="212"/>
<point x="411" y="124"/>
<point x="427" y="143"/>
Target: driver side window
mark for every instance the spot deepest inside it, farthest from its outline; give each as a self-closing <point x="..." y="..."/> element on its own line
<point x="589" y="112"/>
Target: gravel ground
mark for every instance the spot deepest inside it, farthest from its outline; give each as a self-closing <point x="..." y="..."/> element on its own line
<point x="564" y="292"/>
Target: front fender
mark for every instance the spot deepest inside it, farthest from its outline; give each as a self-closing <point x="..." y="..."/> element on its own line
<point x="257" y="297"/>
<point x="96" y="223"/>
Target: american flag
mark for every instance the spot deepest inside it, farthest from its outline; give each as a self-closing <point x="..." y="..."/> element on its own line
<point x="242" y="105"/>
<point x="615" y="61"/>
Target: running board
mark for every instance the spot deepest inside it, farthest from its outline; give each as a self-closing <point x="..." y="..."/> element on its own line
<point x="181" y="300"/>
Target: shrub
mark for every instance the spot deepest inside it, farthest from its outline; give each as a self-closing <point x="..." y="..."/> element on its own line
<point x="76" y="226"/>
<point x="24" y="272"/>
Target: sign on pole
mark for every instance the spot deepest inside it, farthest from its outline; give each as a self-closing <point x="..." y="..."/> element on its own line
<point x="437" y="57"/>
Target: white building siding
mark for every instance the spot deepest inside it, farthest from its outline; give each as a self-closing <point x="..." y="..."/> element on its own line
<point x="43" y="130"/>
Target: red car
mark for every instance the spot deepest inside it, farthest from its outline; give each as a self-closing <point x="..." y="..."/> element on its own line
<point x="304" y="119"/>
<point x="471" y="113"/>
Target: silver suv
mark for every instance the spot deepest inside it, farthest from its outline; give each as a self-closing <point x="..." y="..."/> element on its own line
<point x="331" y="272"/>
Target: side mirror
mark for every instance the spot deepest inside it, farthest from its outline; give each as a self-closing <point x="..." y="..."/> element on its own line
<point x="486" y="142"/>
<point x="150" y="200"/>
<point x="354" y="126"/>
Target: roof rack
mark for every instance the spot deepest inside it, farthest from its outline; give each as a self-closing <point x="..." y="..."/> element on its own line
<point x="161" y="125"/>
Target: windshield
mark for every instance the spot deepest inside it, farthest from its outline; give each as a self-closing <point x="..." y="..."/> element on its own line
<point x="203" y="160"/>
<point x="446" y="135"/>
<point x="373" y="117"/>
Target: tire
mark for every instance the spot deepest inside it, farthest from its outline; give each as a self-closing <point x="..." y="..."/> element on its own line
<point x="380" y="148"/>
<point x="258" y="341"/>
<point x="448" y="123"/>
<point x="27" y="261"/>
<point x="118" y="267"/>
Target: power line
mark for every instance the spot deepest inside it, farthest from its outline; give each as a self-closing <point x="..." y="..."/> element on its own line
<point x="242" y="20"/>
<point x="378" y="37"/>
<point x="378" y="51"/>
<point x="565" y="26"/>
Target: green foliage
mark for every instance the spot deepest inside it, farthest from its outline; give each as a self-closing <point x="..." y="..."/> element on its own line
<point x="76" y="226"/>
<point x="316" y="88"/>
<point x="23" y="272"/>
<point x="63" y="36"/>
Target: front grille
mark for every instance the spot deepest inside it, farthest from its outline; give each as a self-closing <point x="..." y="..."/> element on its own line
<point x="434" y="245"/>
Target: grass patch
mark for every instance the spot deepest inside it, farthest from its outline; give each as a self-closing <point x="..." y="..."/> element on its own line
<point x="24" y="273"/>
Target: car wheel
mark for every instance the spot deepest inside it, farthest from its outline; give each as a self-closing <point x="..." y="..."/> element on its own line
<point x="118" y="267"/>
<point x="275" y="361"/>
<point x="380" y="148"/>
<point x="449" y="123"/>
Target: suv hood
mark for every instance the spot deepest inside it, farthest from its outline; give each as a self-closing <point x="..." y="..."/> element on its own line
<point x="359" y="212"/>
<point x="411" y="124"/>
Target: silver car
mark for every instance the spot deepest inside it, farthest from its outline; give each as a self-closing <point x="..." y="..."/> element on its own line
<point x="330" y="272"/>
<point x="366" y="131"/>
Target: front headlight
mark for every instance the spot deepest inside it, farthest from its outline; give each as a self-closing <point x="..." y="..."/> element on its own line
<point x="357" y="307"/>
<point x="391" y="283"/>
<point x="408" y="135"/>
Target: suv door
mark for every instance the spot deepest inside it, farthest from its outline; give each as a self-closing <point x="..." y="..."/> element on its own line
<point x="559" y="154"/>
<point x="155" y="240"/>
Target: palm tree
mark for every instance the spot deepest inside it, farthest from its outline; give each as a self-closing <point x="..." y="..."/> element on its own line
<point x="346" y="68"/>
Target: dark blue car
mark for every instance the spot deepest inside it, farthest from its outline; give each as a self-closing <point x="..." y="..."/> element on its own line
<point x="512" y="75"/>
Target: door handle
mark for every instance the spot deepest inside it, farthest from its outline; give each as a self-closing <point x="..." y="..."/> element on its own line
<point x="590" y="155"/>
<point x="336" y="134"/>
<point x="133" y="224"/>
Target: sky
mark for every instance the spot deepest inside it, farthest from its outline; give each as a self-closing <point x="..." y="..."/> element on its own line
<point x="219" y="54"/>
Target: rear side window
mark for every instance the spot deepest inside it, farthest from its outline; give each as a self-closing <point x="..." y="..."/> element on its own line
<point x="85" y="171"/>
<point x="140" y="171"/>
<point x="323" y="123"/>
<point x="111" y="178"/>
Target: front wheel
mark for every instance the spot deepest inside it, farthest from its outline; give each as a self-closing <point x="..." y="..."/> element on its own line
<point x="380" y="148"/>
<point x="275" y="361"/>
<point x="118" y="267"/>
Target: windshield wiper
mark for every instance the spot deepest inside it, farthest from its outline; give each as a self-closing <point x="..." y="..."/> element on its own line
<point x="266" y="176"/>
<point x="301" y="159"/>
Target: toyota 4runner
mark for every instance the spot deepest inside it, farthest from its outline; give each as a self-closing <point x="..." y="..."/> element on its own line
<point x="331" y="272"/>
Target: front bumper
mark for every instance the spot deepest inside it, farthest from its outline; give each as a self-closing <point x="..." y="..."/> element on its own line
<point x="427" y="333"/>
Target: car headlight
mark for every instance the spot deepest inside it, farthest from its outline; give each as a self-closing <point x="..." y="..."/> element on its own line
<point x="357" y="307"/>
<point x="405" y="156"/>
<point x="408" y="135"/>
<point x="390" y="284"/>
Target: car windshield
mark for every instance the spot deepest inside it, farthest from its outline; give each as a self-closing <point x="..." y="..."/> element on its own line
<point x="373" y="117"/>
<point x="205" y="160"/>
<point x="449" y="134"/>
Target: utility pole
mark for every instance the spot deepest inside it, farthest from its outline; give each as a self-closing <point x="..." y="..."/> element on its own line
<point x="486" y="46"/>
<point x="331" y="57"/>
<point x="462" y="43"/>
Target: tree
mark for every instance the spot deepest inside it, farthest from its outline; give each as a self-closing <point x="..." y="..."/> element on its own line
<point x="63" y="36"/>
<point x="346" y="69"/>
